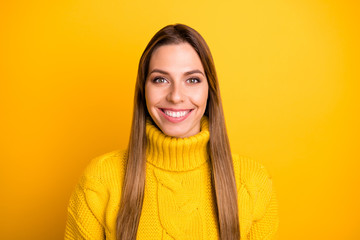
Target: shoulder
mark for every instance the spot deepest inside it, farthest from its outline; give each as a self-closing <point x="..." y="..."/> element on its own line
<point x="99" y="183"/>
<point x="254" y="178"/>
<point x="105" y="167"/>
<point x="250" y="171"/>
<point x="104" y="174"/>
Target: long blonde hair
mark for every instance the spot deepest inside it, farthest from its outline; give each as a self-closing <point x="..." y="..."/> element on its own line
<point x="223" y="179"/>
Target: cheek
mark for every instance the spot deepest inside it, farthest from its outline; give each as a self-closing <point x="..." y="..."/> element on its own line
<point x="148" y="96"/>
<point x="152" y="96"/>
<point x="200" y="98"/>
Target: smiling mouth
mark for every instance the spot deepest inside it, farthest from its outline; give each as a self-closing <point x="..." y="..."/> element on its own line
<point x="176" y="113"/>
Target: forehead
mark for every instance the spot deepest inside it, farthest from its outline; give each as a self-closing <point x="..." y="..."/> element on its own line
<point x="175" y="57"/>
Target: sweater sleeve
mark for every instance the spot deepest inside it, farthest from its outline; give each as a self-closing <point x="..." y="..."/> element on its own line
<point x="266" y="219"/>
<point x="86" y="210"/>
<point x="266" y="227"/>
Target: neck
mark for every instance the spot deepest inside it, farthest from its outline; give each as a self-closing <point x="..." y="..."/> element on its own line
<point x="177" y="154"/>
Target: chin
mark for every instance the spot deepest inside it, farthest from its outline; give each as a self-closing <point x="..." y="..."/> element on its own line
<point x="174" y="133"/>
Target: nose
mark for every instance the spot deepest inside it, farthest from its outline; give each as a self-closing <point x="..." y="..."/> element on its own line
<point x="176" y="94"/>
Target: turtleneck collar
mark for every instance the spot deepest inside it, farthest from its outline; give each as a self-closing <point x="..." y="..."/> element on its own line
<point x="177" y="154"/>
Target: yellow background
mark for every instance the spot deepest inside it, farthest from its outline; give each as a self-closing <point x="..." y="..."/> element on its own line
<point x="289" y="76"/>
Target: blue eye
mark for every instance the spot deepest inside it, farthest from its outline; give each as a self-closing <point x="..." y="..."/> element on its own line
<point x="159" y="80"/>
<point x="193" y="80"/>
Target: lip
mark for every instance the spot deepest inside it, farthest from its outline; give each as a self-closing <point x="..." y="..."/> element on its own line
<point x="172" y="119"/>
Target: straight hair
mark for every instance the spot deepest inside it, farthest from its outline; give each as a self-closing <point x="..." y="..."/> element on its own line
<point x="223" y="180"/>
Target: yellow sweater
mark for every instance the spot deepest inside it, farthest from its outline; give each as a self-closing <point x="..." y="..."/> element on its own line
<point x="179" y="198"/>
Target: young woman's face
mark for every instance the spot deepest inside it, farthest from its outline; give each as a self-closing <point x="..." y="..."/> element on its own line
<point x="176" y="90"/>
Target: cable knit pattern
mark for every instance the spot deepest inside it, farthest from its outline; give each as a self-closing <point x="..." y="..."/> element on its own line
<point x="179" y="200"/>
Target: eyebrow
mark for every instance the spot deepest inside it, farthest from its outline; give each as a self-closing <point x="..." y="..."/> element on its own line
<point x="185" y="73"/>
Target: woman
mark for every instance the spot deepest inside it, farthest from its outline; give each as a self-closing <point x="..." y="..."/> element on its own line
<point x="178" y="178"/>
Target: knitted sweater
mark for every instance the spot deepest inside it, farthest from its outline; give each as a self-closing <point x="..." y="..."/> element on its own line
<point x="179" y="198"/>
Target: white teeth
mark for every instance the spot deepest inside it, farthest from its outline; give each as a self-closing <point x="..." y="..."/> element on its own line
<point x="176" y="114"/>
